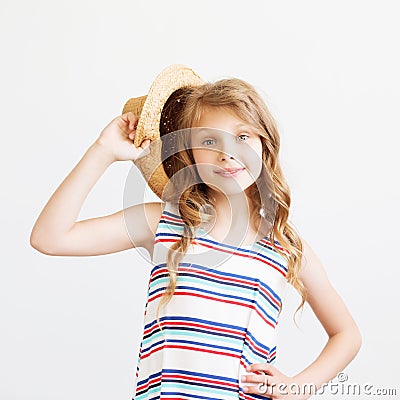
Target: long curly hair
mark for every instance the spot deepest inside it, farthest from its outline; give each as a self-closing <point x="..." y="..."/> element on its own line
<point x="184" y="109"/>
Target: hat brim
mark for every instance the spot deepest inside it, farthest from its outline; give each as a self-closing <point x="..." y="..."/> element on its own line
<point x="149" y="109"/>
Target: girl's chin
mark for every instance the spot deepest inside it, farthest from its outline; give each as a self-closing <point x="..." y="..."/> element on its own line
<point x="230" y="190"/>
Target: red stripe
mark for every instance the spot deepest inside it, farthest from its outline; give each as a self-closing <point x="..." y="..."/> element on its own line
<point x="202" y="350"/>
<point x="188" y="378"/>
<point x="177" y="292"/>
<point x="252" y="256"/>
<point x="196" y="325"/>
<point x="191" y="378"/>
<point x="251" y="284"/>
<point x="266" y="241"/>
<point x="168" y="218"/>
<point x="147" y="384"/>
<point x="269" y="243"/>
<point x="226" y="278"/>
<point x="256" y="347"/>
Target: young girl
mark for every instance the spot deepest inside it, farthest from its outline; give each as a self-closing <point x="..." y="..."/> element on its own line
<point x="221" y="244"/>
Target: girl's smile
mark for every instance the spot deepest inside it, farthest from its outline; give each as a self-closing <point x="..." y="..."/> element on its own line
<point x="230" y="172"/>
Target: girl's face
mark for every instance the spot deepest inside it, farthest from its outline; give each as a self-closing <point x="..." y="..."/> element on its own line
<point x="227" y="150"/>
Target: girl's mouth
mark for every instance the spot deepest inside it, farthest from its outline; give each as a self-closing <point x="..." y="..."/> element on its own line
<point x="230" y="172"/>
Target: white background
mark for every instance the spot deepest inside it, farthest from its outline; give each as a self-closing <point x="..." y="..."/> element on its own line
<point x="329" y="71"/>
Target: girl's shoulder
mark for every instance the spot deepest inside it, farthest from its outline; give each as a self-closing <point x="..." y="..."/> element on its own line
<point x="154" y="211"/>
<point x="141" y="221"/>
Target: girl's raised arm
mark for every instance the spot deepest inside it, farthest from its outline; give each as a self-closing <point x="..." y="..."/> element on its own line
<point x="56" y="231"/>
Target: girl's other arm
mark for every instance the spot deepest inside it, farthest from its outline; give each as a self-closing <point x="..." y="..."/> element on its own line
<point x="344" y="338"/>
<point x="56" y="231"/>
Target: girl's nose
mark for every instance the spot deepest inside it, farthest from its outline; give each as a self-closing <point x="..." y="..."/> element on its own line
<point x="225" y="156"/>
<point x="226" y="146"/>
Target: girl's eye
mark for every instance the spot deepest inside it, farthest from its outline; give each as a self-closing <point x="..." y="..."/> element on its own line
<point x="243" y="137"/>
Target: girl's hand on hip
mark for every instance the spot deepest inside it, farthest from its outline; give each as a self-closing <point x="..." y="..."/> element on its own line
<point x="118" y="136"/>
<point x="272" y="383"/>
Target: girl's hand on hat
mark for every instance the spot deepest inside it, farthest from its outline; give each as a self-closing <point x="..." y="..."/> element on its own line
<point x="118" y="136"/>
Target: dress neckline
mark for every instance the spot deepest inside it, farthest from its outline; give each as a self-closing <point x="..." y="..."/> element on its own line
<point x="241" y="246"/>
<point x="207" y="236"/>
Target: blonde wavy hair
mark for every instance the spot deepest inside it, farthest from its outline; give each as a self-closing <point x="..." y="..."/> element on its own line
<point x="184" y="109"/>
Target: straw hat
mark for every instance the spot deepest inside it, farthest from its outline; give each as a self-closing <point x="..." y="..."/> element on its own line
<point x="149" y="110"/>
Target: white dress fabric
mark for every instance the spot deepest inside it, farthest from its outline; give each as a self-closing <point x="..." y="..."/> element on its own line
<point x="221" y="318"/>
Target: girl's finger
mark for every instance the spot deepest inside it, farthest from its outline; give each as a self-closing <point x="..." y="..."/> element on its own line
<point x="267" y="368"/>
<point x="131" y="119"/>
<point x="257" y="378"/>
<point x="262" y="388"/>
<point x="145" y="144"/>
<point x="132" y="124"/>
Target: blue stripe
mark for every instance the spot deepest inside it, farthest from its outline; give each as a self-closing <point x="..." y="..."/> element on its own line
<point x="198" y="320"/>
<point x="222" y="274"/>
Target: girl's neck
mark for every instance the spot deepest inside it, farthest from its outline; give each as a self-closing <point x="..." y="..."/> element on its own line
<point x="232" y="210"/>
<point x="232" y="219"/>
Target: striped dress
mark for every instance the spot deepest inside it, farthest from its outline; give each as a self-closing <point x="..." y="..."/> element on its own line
<point x="221" y="318"/>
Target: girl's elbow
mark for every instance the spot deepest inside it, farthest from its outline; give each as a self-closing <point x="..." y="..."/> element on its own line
<point x="42" y="246"/>
<point x="354" y="339"/>
<point x="38" y="246"/>
<point x="35" y="242"/>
